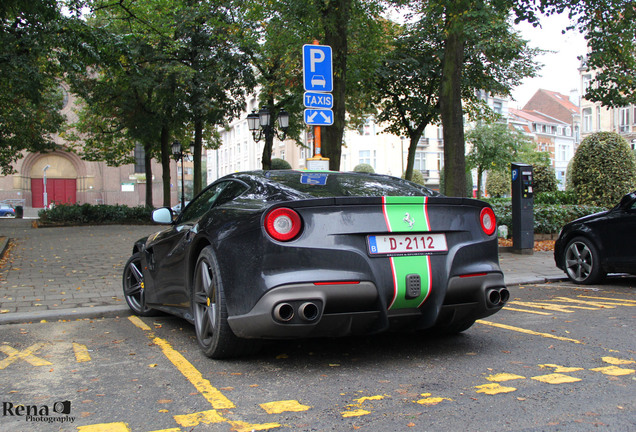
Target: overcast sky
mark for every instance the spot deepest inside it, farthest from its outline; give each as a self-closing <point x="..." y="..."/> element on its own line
<point x="560" y="72"/>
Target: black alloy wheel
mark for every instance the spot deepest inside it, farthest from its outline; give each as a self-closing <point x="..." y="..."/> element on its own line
<point x="582" y="262"/>
<point x="134" y="290"/>
<point x="214" y="335"/>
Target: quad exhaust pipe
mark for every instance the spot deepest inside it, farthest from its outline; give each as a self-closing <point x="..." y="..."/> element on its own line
<point x="497" y="296"/>
<point x="307" y="311"/>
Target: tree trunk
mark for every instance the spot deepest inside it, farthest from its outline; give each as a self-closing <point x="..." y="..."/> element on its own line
<point x="165" y="165"/>
<point x="451" y="108"/>
<point x="414" y="136"/>
<point x="148" y="169"/>
<point x="336" y="15"/>
<point x="198" y="150"/>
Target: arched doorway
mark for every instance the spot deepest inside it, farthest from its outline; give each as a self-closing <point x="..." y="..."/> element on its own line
<point x="61" y="181"/>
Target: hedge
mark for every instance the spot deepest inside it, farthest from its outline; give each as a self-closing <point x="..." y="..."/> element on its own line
<point x="548" y="218"/>
<point x="95" y="214"/>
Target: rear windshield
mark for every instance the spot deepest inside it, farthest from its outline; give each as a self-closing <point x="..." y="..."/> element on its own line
<point x="308" y="184"/>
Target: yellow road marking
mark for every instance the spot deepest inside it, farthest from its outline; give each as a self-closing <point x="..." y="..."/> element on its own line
<point x="625" y="302"/>
<point x="205" y="417"/>
<point x="493" y="389"/>
<point x="613" y="370"/>
<point x="560" y="369"/>
<point x="105" y="427"/>
<point x="550" y="306"/>
<point x="284" y="406"/>
<point x="81" y="353"/>
<point x="214" y="396"/>
<point x="431" y="401"/>
<point x="555" y="378"/>
<point x="530" y="332"/>
<point x="355" y="413"/>
<point x="617" y="361"/>
<point x="527" y="311"/>
<point x="597" y="304"/>
<point x="368" y="398"/>
<point x="139" y="323"/>
<point x="192" y="374"/>
<point x="14" y="355"/>
<point x="503" y="377"/>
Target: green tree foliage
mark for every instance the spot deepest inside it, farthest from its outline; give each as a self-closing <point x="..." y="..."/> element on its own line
<point x="610" y="30"/>
<point x="31" y="36"/>
<point x="278" y="29"/>
<point x="494" y="147"/>
<point x="480" y="51"/>
<point x="603" y="169"/>
<point x="498" y="183"/>
<point x="544" y="179"/>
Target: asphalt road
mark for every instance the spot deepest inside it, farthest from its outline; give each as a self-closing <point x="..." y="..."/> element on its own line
<point x="557" y="358"/>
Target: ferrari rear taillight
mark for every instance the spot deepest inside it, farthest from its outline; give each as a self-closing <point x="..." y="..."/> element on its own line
<point x="282" y="224"/>
<point x="488" y="220"/>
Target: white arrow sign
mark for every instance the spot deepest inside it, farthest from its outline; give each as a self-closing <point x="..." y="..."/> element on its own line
<point x="318" y="117"/>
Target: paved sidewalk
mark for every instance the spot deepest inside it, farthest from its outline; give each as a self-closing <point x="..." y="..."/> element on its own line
<point x="75" y="272"/>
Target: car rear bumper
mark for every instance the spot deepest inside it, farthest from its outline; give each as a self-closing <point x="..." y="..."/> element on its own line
<point x="340" y="309"/>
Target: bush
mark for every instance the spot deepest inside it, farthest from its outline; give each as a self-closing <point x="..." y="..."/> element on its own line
<point x="418" y="177"/>
<point x="603" y="169"/>
<point x="364" y="168"/>
<point x="279" y="164"/>
<point x="544" y="179"/>
<point x="548" y="218"/>
<point x="95" y="214"/>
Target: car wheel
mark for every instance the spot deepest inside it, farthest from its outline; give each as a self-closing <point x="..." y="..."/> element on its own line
<point x="582" y="262"/>
<point x="133" y="282"/>
<point x="214" y="335"/>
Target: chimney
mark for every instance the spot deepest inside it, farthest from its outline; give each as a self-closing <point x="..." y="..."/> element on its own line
<point x="574" y="97"/>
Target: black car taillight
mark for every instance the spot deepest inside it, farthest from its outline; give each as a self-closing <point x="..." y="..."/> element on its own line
<point x="283" y="224"/>
<point x="488" y="220"/>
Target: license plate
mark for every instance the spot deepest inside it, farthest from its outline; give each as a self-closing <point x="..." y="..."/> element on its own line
<point x="407" y="243"/>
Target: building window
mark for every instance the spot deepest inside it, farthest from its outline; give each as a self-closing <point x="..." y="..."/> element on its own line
<point x="623" y="120"/>
<point x="420" y="161"/>
<point x="497" y="107"/>
<point x="587" y="79"/>
<point x="587" y="120"/>
<point x="598" y="118"/>
<point x="364" y="157"/>
<point x="140" y="156"/>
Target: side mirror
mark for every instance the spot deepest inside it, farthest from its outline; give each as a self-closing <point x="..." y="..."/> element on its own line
<point x="627" y="201"/>
<point x="162" y="215"/>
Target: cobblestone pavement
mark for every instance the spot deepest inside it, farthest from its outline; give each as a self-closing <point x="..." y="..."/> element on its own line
<point x="64" y="268"/>
<point x="73" y="272"/>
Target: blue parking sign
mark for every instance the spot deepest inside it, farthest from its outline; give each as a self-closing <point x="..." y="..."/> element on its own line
<point x="317" y="68"/>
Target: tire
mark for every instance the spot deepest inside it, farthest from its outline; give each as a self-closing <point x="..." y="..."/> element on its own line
<point x="582" y="262"/>
<point x="133" y="284"/>
<point x="214" y="335"/>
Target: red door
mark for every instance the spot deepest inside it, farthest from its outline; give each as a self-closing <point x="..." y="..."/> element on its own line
<point x="58" y="191"/>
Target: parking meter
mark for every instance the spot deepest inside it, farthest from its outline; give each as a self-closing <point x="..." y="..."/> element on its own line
<point x="522" y="209"/>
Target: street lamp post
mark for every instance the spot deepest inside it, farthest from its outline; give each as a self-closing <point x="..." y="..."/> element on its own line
<point x="260" y="124"/>
<point x="179" y="155"/>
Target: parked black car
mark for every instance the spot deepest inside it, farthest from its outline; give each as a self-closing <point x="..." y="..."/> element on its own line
<point x="592" y="246"/>
<point x="292" y="254"/>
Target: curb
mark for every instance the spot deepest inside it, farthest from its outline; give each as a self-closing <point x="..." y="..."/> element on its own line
<point x="4" y="244"/>
<point x="65" y="314"/>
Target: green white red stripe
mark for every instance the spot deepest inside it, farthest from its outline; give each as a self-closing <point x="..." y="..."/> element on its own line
<point x="405" y="215"/>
